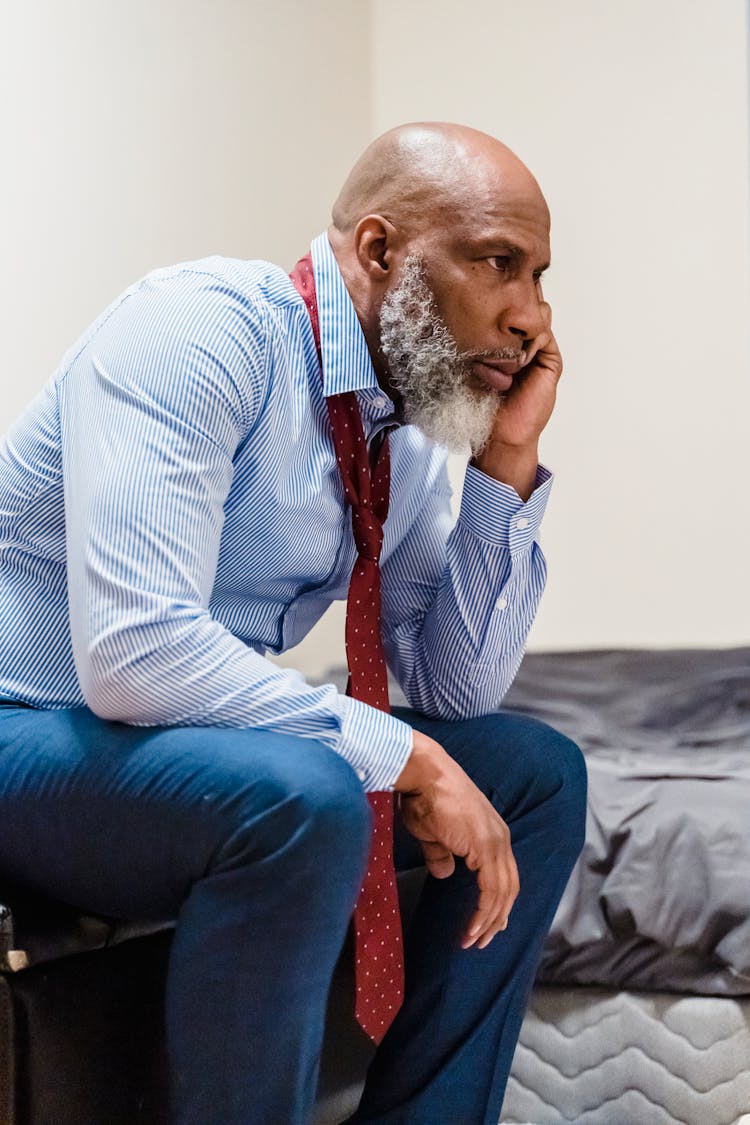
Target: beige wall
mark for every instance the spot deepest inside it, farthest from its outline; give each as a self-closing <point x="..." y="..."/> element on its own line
<point x="634" y="118"/>
<point x="139" y="134"/>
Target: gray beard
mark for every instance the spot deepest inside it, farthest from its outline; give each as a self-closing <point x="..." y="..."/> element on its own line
<point x="427" y="369"/>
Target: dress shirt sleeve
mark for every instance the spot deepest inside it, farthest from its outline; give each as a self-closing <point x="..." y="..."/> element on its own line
<point x="458" y="604"/>
<point x="152" y="412"/>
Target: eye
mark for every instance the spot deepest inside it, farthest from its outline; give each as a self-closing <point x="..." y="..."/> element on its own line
<point x="501" y="262"/>
<point x="538" y="276"/>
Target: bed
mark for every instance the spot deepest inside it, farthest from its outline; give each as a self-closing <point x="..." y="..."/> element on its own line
<point x="641" y="1010"/>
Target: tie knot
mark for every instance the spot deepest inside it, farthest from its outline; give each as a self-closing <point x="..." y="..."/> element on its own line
<point x="368" y="532"/>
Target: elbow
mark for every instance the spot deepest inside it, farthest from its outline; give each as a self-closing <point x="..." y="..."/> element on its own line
<point x="138" y="675"/>
<point x="434" y="702"/>
<point x="111" y="700"/>
<point x="115" y="694"/>
<point x="454" y="698"/>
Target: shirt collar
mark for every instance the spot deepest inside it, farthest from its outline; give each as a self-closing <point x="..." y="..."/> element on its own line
<point x="346" y="361"/>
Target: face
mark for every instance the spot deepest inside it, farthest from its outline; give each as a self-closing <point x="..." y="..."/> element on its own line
<point x="458" y="326"/>
<point x="434" y="382"/>
<point x="484" y="265"/>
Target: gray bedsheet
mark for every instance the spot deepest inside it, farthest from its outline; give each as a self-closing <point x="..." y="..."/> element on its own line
<point x="660" y="898"/>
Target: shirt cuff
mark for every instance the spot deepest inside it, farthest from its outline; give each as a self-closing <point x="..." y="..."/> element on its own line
<point x="495" y="512"/>
<point x="374" y="743"/>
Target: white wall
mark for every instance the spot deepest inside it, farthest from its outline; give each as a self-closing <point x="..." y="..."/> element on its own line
<point x="634" y="118"/>
<point x="139" y="134"/>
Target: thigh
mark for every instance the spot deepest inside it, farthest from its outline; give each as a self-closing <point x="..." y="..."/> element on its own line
<point x="123" y="820"/>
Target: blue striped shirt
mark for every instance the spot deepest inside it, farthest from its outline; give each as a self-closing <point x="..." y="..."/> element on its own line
<point x="171" y="510"/>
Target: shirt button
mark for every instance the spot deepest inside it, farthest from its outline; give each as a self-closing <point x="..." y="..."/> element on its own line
<point x="362" y="775"/>
<point x="501" y="603"/>
<point x="522" y="523"/>
<point x="379" y="403"/>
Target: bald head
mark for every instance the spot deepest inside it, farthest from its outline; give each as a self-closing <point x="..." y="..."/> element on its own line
<point x="450" y="220"/>
<point x="426" y="173"/>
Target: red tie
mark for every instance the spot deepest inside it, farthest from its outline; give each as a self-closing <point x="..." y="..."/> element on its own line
<point x="379" y="960"/>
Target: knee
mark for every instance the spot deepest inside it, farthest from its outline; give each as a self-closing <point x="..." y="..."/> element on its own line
<point x="564" y="765"/>
<point x="560" y="776"/>
<point x="333" y="810"/>
<point x="548" y="770"/>
<point x="568" y="780"/>
<point x="316" y="811"/>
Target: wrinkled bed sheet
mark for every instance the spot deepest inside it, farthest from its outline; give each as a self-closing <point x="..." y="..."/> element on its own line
<point x="660" y="898"/>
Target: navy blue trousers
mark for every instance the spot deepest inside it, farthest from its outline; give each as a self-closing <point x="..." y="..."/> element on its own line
<point x="256" y="843"/>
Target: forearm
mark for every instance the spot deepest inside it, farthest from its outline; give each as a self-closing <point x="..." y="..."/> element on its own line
<point x="454" y="665"/>
<point x="189" y="671"/>
<point x="459" y="657"/>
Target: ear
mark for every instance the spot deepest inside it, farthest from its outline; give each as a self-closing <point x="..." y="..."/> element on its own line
<point x="375" y="243"/>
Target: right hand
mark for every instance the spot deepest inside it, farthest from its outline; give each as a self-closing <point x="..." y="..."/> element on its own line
<point x="442" y="807"/>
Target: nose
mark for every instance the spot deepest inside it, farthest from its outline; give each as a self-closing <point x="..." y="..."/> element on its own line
<point x="523" y="311"/>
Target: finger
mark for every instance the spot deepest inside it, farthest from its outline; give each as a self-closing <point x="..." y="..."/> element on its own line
<point x="498" y="889"/>
<point x="547" y="361"/>
<point x="480" y="924"/>
<point x="488" y="905"/>
<point x="541" y="342"/>
<point x="512" y="888"/>
<point x="438" y="860"/>
<point x="484" y="939"/>
<point x="481" y="935"/>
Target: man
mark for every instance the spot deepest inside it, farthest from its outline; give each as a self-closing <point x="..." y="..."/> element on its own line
<point x="172" y="508"/>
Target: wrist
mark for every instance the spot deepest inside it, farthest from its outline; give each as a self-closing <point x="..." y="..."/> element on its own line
<point x="514" y="465"/>
<point x="423" y="766"/>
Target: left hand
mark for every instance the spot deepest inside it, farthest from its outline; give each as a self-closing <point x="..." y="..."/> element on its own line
<point x="527" y="406"/>
<point x="511" y="452"/>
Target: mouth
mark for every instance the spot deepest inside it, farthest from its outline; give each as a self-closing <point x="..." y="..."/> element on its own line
<point x="499" y="373"/>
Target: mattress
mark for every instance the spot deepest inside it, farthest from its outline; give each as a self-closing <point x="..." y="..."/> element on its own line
<point x="597" y="1057"/>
